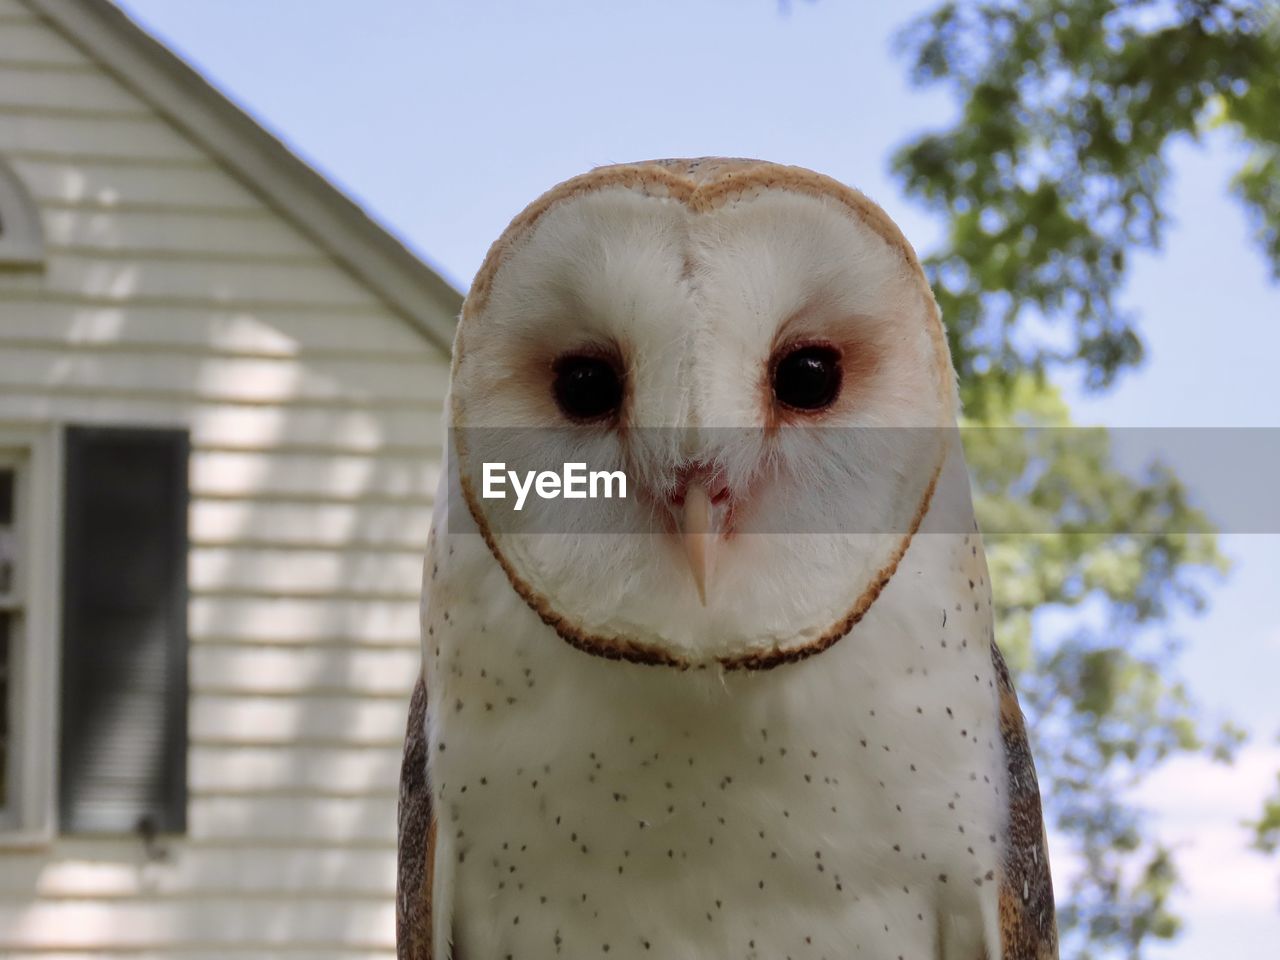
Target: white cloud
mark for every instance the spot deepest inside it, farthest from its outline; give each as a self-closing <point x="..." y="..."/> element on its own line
<point x="1229" y="896"/>
<point x="1200" y="807"/>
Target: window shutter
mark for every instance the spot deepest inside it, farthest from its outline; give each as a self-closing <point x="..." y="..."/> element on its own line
<point x="123" y="757"/>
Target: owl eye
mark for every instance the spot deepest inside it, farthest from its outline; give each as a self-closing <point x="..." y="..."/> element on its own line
<point x="808" y="378"/>
<point x="586" y="387"/>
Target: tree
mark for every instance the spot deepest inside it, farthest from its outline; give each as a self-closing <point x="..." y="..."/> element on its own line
<point x="1051" y="175"/>
<point x="1104" y="709"/>
<point x="1054" y="171"/>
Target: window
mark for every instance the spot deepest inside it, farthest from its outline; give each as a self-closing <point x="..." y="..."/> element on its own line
<point x="93" y="553"/>
<point x="123" y="747"/>
<point x="21" y="237"/>
<point x="27" y="629"/>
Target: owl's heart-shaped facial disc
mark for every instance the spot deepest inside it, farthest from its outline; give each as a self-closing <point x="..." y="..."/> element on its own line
<point x="755" y="351"/>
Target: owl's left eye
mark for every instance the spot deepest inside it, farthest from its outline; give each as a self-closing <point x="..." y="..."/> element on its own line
<point x="586" y="387"/>
<point x="808" y="377"/>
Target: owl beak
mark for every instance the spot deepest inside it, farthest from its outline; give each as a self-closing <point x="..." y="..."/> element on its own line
<point x="697" y="533"/>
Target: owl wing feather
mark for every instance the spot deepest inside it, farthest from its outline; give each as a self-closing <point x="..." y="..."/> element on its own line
<point x="417" y="839"/>
<point x="1028" y="925"/>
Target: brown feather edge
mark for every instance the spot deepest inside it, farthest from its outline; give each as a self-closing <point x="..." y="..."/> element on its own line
<point x="416" y="838"/>
<point x="1028" y="921"/>
<point x="632" y="651"/>
<point x="701" y="191"/>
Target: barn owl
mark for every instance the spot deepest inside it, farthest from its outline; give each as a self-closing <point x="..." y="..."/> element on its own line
<point x="754" y="709"/>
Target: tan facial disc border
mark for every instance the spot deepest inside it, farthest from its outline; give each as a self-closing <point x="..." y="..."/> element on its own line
<point x="701" y="184"/>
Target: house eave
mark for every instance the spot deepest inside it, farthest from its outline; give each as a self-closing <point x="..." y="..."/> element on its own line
<point x="261" y="161"/>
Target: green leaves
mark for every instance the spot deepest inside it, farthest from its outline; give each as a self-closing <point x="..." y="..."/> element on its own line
<point x="1097" y="679"/>
<point x="1267" y="827"/>
<point x="1054" y="169"/>
<point x="1258" y="186"/>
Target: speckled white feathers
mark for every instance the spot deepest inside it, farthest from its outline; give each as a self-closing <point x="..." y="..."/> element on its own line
<point x="845" y="805"/>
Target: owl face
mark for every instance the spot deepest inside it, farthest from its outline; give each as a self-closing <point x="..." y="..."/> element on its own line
<point x="756" y="349"/>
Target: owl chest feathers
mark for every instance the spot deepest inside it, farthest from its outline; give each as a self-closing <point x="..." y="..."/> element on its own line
<point x="598" y="808"/>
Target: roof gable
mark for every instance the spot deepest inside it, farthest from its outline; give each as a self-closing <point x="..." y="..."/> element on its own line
<point x="260" y="161"/>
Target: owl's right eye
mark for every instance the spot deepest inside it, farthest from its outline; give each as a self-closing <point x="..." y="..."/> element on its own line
<point x="586" y="387"/>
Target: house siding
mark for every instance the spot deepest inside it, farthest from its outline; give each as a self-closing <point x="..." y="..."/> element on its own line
<point x="174" y="296"/>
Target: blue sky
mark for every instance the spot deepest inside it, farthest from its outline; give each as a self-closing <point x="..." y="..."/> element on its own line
<point x="445" y="118"/>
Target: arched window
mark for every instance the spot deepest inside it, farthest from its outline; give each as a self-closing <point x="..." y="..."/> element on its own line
<point x="21" y="239"/>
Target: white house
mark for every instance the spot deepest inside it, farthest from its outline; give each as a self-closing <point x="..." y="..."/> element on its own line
<point x="220" y="397"/>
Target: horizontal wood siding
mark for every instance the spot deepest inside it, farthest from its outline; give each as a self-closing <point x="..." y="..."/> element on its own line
<point x="280" y="332"/>
<point x="97" y="279"/>
<point x="39" y="89"/>
<point x="257" y="380"/>
<point x="175" y="296"/>
<point x="345" y="719"/>
<point x="252" y="619"/>
<point x="92" y="185"/>
<point x="238" y="424"/>
<point x="104" y="871"/>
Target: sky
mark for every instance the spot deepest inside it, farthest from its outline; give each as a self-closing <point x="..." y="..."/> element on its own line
<point x="443" y="118"/>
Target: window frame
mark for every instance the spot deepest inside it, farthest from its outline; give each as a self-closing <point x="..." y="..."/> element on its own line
<point x="33" y="452"/>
